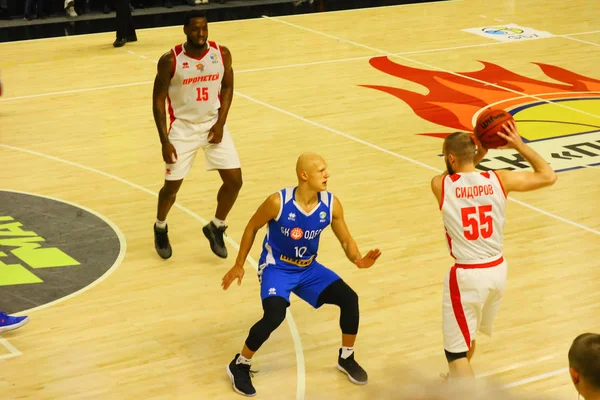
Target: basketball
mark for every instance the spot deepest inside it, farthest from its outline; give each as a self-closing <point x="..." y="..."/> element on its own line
<point x="489" y="123"/>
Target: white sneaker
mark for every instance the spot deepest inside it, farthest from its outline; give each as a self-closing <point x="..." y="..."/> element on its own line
<point x="70" y="11"/>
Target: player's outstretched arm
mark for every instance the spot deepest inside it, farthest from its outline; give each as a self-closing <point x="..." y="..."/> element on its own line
<point x="523" y="181"/>
<point x="338" y="224"/>
<point x="267" y="211"/>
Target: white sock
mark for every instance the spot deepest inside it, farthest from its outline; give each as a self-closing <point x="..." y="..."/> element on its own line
<point x="161" y="224"/>
<point x="347" y="351"/>
<point x="243" y="360"/>
<point x="219" y="223"/>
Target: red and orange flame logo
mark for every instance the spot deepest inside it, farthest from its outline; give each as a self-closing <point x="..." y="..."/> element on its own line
<point x="453" y="99"/>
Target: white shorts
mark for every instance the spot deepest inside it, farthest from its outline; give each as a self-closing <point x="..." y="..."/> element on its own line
<point x="187" y="138"/>
<point x="472" y="295"/>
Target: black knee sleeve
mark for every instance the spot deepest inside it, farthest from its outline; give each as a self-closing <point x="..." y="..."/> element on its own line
<point x="274" y="314"/>
<point x="342" y="295"/>
<point x="454" y="356"/>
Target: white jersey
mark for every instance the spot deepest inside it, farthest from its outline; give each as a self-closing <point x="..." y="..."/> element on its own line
<point x="195" y="88"/>
<point x="473" y="209"/>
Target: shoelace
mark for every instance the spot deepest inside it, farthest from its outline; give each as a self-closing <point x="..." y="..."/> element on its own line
<point x="248" y="373"/>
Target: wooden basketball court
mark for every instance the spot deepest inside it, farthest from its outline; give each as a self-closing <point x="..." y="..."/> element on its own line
<point x="76" y="125"/>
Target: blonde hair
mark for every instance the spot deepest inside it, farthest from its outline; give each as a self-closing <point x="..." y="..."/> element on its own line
<point x="461" y="146"/>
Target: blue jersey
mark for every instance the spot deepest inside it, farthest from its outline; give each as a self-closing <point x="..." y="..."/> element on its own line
<point x="292" y="239"/>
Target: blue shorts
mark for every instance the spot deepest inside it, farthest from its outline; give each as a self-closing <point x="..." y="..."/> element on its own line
<point x="307" y="283"/>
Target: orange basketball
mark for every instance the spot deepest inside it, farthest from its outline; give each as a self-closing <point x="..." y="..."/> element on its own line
<point x="489" y="123"/>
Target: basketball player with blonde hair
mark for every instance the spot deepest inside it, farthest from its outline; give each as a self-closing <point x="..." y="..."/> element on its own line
<point x="473" y="207"/>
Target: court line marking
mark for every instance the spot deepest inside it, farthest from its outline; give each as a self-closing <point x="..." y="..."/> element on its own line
<point x="431" y="67"/>
<point x="300" y="391"/>
<point x="340" y="60"/>
<point x="514" y="366"/>
<point x="536" y="378"/>
<point x="31" y="96"/>
<point x="110" y="271"/>
<point x="580" y="33"/>
<point x="405" y="158"/>
<point x="579" y="40"/>
<point x="13" y="351"/>
<point x="523" y="96"/>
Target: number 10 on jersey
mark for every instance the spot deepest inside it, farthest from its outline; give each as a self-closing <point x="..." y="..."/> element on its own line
<point x="202" y="94"/>
<point x="300" y="251"/>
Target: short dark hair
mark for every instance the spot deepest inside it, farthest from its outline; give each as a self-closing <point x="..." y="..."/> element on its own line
<point x="193" y="14"/>
<point x="584" y="357"/>
<point x="461" y="146"/>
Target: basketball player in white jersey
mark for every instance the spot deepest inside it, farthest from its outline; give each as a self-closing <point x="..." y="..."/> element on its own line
<point x="196" y="80"/>
<point x="473" y="209"/>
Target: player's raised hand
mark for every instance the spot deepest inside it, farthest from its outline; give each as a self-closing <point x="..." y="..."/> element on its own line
<point x="510" y="133"/>
<point x="368" y="260"/>
<point x="234" y="273"/>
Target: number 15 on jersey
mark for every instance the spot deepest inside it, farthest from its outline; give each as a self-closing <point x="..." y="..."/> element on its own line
<point x="202" y="93"/>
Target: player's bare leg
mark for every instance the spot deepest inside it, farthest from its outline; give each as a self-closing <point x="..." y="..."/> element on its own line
<point x="348" y="340"/>
<point x="471" y="351"/>
<point x="460" y="368"/>
<point x="166" y="199"/>
<point x="226" y="197"/>
<point x="247" y="353"/>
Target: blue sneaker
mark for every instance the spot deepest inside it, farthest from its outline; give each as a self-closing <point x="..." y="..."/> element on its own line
<point x="8" y="322"/>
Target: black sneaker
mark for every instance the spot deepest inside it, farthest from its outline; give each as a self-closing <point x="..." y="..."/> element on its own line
<point x="161" y="242"/>
<point x="350" y="367"/>
<point x="240" y="376"/>
<point x="215" y="237"/>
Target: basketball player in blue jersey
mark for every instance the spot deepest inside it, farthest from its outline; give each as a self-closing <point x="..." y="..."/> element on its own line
<point x="295" y="218"/>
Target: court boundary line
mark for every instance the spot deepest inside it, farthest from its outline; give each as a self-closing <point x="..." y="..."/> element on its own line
<point x="300" y="365"/>
<point x="514" y="366"/>
<point x="429" y="66"/>
<point x="536" y="378"/>
<point x="13" y="351"/>
<point x="580" y="40"/>
<point x="276" y="67"/>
